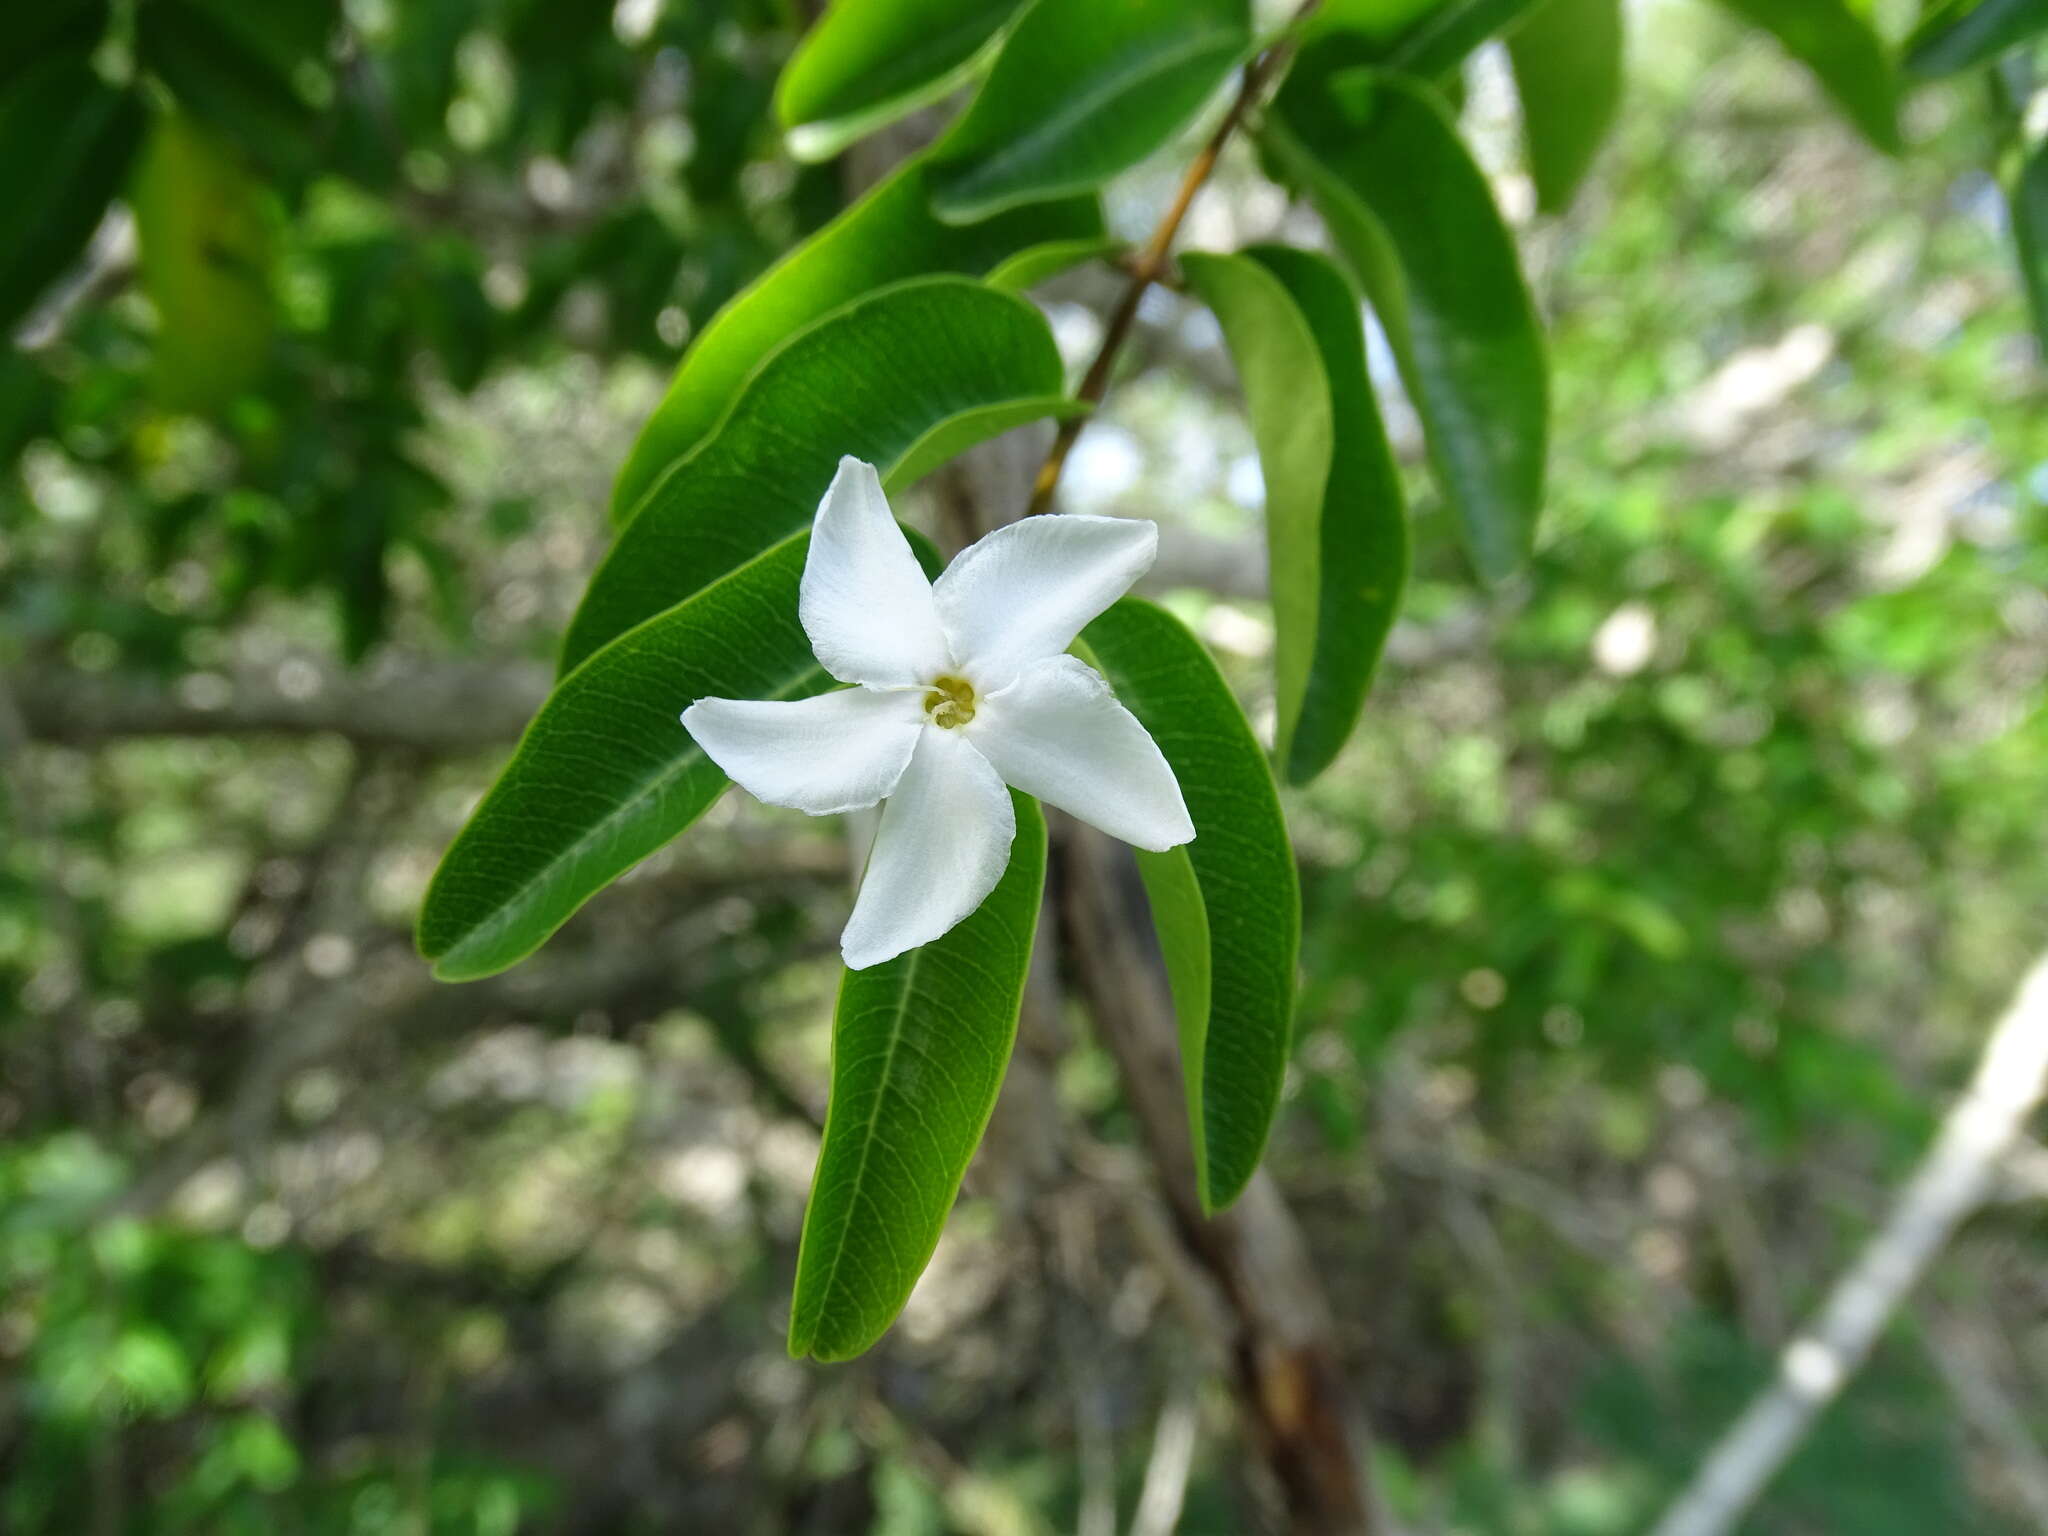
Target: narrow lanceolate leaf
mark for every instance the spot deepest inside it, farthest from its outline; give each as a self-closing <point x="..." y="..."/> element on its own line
<point x="868" y="62"/>
<point x="919" y="1046"/>
<point x="1567" y="63"/>
<point x="606" y="773"/>
<point x="1287" y="396"/>
<point x="204" y="239"/>
<point x="66" y="141"/>
<point x="1442" y="275"/>
<point x="1336" y="532"/>
<point x="1227" y="906"/>
<point x="1966" y="33"/>
<point x="2029" y="204"/>
<point x="887" y="236"/>
<point x="907" y="373"/>
<point x="1362" y="549"/>
<point x="1081" y="91"/>
<point x="1835" y="40"/>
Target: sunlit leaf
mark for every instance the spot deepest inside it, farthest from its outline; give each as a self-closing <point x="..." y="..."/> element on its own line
<point x="1227" y="905"/>
<point x="1836" y="40"/>
<point x="1081" y="91"/>
<point x="66" y="142"/>
<point x="919" y="1047"/>
<point x="1444" y="280"/>
<point x="1966" y="33"/>
<point x="1567" y="61"/>
<point x="1336" y="535"/>
<point x="868" y="62"/>
<point x="606" y="773"/>
<point x="934" y="362"/>
<point x="887" y="236"/>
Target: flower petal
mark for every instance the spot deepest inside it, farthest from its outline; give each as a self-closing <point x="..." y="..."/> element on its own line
<point x="1058" y="733"/>
<point x="1027" y="589"/>
<point x="836" y="752"/>
<point x="864" y="600"/>
<point x="942" y="846"/>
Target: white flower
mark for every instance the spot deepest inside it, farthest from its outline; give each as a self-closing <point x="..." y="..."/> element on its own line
<point x="961" y="686"/>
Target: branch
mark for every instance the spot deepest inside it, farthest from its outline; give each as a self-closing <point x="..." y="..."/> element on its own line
<point x="1280" y="1335"/>
<point x="1953" y="1179"/>
<point x="403" y="701"/>
<point x="1149" y="265"/>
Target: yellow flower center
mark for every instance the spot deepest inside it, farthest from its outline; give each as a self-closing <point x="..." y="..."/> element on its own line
<point x="951" y="702"/>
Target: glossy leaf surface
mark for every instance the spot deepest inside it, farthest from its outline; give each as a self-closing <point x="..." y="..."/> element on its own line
<point x="868" y="62"/>
<point x="1443" y="277"/>
<point x="919" y="1047"/>
<point x="887" y="236"/>
<point x="1336" y="536"/>
<point x="1963" y="35"/>
<point x="606" y="773"/>
<point x="1081" y="91"/>
<point x="1227" y="905"/>
<point x="935" y="360"/>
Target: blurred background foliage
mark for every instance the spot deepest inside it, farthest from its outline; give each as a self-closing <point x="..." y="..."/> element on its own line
<point x="1652" y="916"/>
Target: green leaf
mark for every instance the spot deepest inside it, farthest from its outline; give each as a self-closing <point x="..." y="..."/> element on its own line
<point x="1336" y="535"/>
<point x="66" y="141"/>
<point x="919" y="1047"/>
<point x="203" y="238"/>
<point x="1227" y="905"/>
<point x="1287" y="395"/>
<point x="2028" y="201"/>
<point x="234" y="68"/>
<point x="933" y="361"/>
<point x="606" y="773"/>
<point x="1081" y="91"/>
<point x="1442" y="274"/>
<point x="1963" y="35"/>
<point x="1439" y="42"/>
<point x="1028" y="268"/>
<point x="1567" y="64"/>
<point x="887" y="236"/>
<point x="869" y="62"/>
<point x="33" y="34"/>
<point x="1836" y="41"/>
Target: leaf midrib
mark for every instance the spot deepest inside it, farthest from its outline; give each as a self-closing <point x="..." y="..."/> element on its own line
<point x="867" y="1143"/>
<point x="522" y="901"/>
<point x="1079" y="107"/>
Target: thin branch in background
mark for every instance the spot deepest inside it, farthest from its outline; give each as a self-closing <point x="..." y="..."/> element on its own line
<point x="1165" y="1489"/>
<point x="1952" y="1181"/>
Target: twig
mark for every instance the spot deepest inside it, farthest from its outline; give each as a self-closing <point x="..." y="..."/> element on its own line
<point x="1148" y="266"/>
<point x="1165" y="1488"/>
<point x="1952" y="1181"/>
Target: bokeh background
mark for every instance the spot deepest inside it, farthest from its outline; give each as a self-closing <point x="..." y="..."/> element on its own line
<point x="1654" y="917"/>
